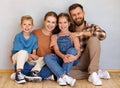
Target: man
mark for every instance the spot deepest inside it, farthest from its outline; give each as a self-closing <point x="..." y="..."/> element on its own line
<point x="89" y="36"/>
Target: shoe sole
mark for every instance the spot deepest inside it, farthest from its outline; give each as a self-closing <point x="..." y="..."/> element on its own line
<point x="63" y="84"/>
<point x="73" y="82"/>
<point x="21" y="82"/>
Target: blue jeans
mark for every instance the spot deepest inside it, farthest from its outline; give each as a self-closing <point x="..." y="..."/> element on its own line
<point x="56" y="64"/>
<point x="44" y="73"/>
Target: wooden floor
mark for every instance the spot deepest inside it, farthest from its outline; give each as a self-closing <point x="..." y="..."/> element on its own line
<point x="6" y="82"/>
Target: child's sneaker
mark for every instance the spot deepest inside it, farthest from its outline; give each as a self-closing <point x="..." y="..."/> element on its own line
<point x="13" y="76"/>
<point x="33" y="74"/>
<point x="61" y="82"/>
<point x="19" y="77"/>
<point x="94" y="78"/>
<point x="103" y="74"/>
<point x="33" y="79"/>
<point x="69" y="80"/>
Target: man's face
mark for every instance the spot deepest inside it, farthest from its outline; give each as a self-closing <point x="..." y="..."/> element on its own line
<point x="77" y="16"/>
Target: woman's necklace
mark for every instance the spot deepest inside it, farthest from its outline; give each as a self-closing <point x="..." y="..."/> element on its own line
<point x="46" y="32"/>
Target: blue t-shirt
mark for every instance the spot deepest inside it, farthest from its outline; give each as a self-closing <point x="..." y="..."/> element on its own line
<point x="20" y="43"/>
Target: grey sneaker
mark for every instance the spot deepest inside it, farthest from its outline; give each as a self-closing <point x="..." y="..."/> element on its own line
<point x="33" y="79"/>
<point x="33" y="74"/>
<point x="19" y="77"/>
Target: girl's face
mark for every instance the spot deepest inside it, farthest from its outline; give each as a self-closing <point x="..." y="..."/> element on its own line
<point x="63" y="24"/>
<point x="26" y="26"/>
<point x="50" y="23"/>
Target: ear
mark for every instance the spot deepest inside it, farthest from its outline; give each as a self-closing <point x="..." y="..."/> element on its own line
<point x="84" y="13"/>
<point x="20" y="25"/>
<point x="69" y="24"/>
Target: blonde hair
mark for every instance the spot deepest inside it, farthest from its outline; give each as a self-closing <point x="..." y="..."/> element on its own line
<point x="26" y="17"/>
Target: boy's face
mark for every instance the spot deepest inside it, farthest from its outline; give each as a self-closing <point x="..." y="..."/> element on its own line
<point x="26" y="26"/>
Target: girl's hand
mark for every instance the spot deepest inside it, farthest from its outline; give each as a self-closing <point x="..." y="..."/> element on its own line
<point x="71" y="57"/>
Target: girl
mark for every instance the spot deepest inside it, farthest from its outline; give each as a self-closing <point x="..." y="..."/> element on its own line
<point x="67" y="52"/>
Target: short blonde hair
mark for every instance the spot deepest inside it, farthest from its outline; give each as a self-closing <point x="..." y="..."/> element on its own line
<point x="26" y="17"/>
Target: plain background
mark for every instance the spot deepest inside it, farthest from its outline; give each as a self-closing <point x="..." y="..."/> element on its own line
<point x="104" y="13"/>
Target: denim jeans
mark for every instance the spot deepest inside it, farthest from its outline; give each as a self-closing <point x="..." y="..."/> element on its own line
<point x="44" y="73"/>
<point x="55" y="63"/>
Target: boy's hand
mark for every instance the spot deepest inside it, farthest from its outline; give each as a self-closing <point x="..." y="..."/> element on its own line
<point x="33" y="57"/>
<point x="11" y="58"/>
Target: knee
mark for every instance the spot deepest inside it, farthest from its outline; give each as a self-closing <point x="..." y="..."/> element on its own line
<point x="47" y="58"/>
<point x="72" y="51"/>
<point x="93" y="41"/>
<point x="23" y="52"/>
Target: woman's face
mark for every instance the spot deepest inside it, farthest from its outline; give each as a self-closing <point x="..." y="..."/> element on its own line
<point x="50" y="23"/>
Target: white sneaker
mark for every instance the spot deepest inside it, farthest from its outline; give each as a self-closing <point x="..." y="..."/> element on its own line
<point x="61" y="82"/>
<point x="103" y="74"/>
<point x="51" y="78"/>
<point x="94" y="78"/>
<point x="71" y="81"/>
<point x="13" y="76"/>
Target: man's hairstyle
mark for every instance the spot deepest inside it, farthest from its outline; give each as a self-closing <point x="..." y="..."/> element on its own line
<point x="74" y="6"/>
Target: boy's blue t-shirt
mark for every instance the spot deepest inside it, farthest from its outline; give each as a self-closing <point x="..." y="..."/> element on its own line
<point x="20" y="43"/>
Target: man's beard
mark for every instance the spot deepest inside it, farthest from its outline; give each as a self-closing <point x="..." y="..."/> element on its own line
<point x="78" y="23"/>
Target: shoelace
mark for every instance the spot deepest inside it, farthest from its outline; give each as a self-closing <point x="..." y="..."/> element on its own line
<point x="21" y="76"/>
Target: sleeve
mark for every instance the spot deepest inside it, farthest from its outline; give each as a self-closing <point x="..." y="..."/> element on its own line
<point x="99" y="33"/>
<point x="35" y="43"/>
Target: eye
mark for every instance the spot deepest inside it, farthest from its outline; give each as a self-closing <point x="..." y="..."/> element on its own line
<point x="29" y="24"/>
<point x="53" y="22"/>
<point x="24" y="24"/>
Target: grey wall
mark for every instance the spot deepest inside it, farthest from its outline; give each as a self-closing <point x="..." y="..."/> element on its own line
<point x="105" y="13"/>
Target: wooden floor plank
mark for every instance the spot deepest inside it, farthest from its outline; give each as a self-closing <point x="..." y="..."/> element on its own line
<point x="6" y="82"/>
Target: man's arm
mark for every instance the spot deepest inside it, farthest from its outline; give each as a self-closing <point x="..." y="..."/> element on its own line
<point x="99" y="33"/>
